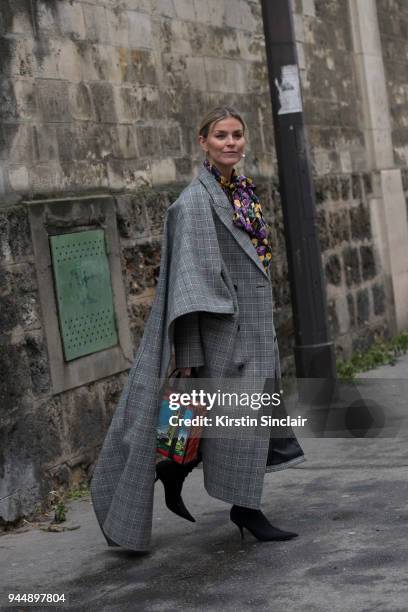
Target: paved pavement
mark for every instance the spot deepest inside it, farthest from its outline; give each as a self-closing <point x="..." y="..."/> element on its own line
<point x="349" y="503"/>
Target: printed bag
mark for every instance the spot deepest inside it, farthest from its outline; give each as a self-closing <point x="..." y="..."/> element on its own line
<point x="178" y="442"/>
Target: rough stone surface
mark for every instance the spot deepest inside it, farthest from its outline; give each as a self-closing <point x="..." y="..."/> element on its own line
<point x="393" y="23"/>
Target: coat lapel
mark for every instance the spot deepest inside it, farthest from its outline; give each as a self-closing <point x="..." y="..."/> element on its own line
<point x="224" y="211"/>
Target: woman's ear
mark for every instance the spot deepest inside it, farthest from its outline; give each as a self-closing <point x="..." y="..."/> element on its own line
<point x="203" y="143"/>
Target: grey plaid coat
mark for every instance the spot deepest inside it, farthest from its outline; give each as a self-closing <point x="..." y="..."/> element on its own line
<point x="212" y="277"/>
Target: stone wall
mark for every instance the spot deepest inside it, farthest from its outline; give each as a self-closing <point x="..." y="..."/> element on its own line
<point x="357" y="294"/>
<point x="393" y="22"/>
<point x="100" y="96"/>
<point x="107" y="95"/>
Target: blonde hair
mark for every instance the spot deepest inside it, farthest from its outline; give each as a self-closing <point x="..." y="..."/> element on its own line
<point x="217" y="114"/>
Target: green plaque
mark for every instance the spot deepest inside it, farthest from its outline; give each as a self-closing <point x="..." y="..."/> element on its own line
<point x="84" y="293"/>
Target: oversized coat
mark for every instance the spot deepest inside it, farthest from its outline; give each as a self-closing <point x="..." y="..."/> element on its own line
<point x="209" y="267"/>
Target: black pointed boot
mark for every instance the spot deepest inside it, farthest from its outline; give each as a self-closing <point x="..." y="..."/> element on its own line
<point x="257" y="524"/>
<point x="172" y="475"/>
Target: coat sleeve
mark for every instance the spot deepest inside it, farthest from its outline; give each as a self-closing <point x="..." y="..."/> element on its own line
<point x="193" y="279"/>
<point x="187" y="341"/>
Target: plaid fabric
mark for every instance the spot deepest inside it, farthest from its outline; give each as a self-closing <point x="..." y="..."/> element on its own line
<point x="208" y="266"/>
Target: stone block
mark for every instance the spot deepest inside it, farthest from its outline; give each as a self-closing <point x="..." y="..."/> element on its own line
<point x="142" y="267"/>
<point x="18" y="57"/>
<point x="184" y="170"/>
<point x="299" y="29"/>
<point x="138" y="103"/>
<point x="368" y="265"/>
<point x="345" y="188"/>
<point x="351" y="266"/>
<point x="308" y="7"/>
<point x="334" y="188"/>
<point x="83" y="175"/>
<point x="363" y="307"/>
<point x="69" y="61"/>
<point x="333" y="270"/>
<point x="332" y="319"/>
<point x="156" y="204"/>
<point x="360" y="222"/>
<point x="140" y="313"/>
<point x="131" y="216"/>
<point x="251" y="45"/>
<point x="123" y="142"/>
<point x="320" y="161"/>
<point x="185" y="10"/>
<point x="148" y="141"/>
<point x="14" y="382"/>
<point x="163" y="171"/>
<point x="140" y="30"/>
<point x="170" y="140"/>
<point x="239" y="14"/>
<point x="379" y="299"/>
<point x="343" y="315"/>
<point x="225" y="75"/>
<point x="357" y="190"/>
<point x="25" y="99"/>
<point x="71" y="19"/>
<point x="118" y="27"/>
<point x="96" y="23"/>
<point x="300" y="47"/>
<point x="164" y="8"/>
<point x="47" y="56"/>
<point x="45" y="178"/>
<point x="339" y="227"/>
<point x="351" y="309"/>
<point x="196" y="74"/>
<point x="8" y="102"/>
<point x="141" y="67"/>
<point x="207" y="42"/>
<point x="19" y="234"/>
<point x="22" y="278"/>
<point x="178" y="37"/>
<point x="144" y="6"/>
<point x="18" y="178"/>
<point x="17" y="142"/>
<point x="52" y="100"/>
<point x="73" y="143"/>
<point x="29" y="311"/>
<point x="19" y="16"/>
<point x="46" y="16"/>
<point x="9" y="314"/>
<point x="80" y="102"/>
<point x="128" y="174"/>
<point x="321" y="187"/>
<point x="84" y="418"/>
<point x="103" y="98"/>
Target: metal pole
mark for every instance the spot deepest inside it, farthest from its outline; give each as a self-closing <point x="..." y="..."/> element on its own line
<point x="314" y="352"/>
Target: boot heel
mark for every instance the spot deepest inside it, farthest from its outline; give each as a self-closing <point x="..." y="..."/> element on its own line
<point x="241" y="529"/>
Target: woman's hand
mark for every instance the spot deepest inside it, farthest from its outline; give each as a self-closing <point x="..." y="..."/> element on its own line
<point x="185" y="372"/>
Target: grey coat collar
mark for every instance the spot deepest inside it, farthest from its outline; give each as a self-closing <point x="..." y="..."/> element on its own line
<point x="224" y="211"/>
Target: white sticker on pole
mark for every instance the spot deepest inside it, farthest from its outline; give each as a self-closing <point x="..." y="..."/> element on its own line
<point x="289" y="90"/>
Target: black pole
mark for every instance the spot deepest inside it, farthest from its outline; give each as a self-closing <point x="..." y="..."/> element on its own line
<point x="314" y="352"/>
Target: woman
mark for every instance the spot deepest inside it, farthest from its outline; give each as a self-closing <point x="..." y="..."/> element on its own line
<point x="214" y="305"/>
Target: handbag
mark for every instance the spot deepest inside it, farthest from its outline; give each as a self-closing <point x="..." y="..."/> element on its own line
<point x="179" y="442"/>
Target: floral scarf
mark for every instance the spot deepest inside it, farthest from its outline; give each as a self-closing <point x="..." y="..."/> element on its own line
<point x="247" y="210"/>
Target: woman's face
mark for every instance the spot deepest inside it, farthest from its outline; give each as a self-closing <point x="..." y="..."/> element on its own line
<point x="224" y="144"/>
